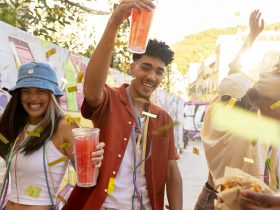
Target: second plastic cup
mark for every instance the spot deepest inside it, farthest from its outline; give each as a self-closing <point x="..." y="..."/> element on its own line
<point x="139" y="30"/>
<point x="85" y="143"/>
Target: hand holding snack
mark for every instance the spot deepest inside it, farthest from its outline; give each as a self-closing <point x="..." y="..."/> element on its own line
<point x="259" y="201"/>
<point x="229" y="187"/>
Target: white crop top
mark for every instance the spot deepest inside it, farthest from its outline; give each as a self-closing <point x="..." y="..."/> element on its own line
<point x="30" y="176"/>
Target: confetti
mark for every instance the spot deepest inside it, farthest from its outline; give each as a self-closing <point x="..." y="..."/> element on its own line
<point x="71" y="119"/>
<point x="111" y="185"/>
<point x="275" y="105"/>
<point x="245" y="124"/>
<point x="232" y="102"/>
<point x="65" y="145"/>
<point x="39" y="129"/>
<point x="50" y="52"/>
<point x="165" y="127"/>
<point x="149" y="114"/>
<point x="3" y="139"/>
<point x="72" y="89"/>
<point x="195" y="151"/>
<point x="33" y="133"/>
<point x="268" y="162"/>
<point x="80" y="76"/>
<point x="61" y="198"/>
<point x="248" y="160"/>
<point x="33" y="191"/>
<point x="59" y="160"/>
<point x="254" y="142"/>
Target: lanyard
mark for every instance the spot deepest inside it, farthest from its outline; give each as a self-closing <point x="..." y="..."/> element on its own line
<point x="137" y="196"/>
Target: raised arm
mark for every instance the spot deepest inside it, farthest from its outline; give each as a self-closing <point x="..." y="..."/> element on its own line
<point x="256" y="27"/>
<point x="98" y="67"/>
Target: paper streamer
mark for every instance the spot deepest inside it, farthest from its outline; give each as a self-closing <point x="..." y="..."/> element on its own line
<point x="245" y="124"/>
<point x="59" y="160"/>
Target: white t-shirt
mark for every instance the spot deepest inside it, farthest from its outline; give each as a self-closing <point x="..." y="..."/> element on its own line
<point x="121" y="198"/>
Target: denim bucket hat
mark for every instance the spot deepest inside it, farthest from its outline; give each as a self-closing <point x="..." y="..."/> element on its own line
<point x="37" y="74"/>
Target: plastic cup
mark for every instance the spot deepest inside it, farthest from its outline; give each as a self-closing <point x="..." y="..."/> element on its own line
<point x="139" y="30"/>
<point x="85" y="143"/>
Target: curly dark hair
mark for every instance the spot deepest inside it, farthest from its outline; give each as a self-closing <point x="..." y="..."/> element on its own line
<point x="157" y="49"/>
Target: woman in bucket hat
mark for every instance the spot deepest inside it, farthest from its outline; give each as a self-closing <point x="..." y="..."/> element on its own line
<point x="33" y="133"/>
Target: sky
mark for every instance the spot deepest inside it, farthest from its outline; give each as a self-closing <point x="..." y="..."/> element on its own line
<point x="175" y="19"/>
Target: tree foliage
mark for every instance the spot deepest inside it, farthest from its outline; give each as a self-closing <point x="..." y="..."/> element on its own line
<point x="48" y="20"/>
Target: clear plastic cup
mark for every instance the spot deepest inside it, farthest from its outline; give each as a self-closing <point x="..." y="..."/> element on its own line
<point x="139" y="30"/>
<point x="85" y="143"/>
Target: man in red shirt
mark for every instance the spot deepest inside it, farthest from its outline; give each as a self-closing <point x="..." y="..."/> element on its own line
<point x="139" y="158"/>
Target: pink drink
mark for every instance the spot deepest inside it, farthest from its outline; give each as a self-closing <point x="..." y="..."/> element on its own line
<point x="139" y="30"/>
<point x="86" y="140"/>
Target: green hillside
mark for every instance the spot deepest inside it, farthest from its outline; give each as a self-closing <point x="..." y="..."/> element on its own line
<point x="197" y="47"/>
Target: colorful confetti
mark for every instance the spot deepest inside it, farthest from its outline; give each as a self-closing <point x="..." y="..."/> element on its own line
<point x="61" y="198"/>
<point x="232" y="102"/>
<point x="33" y="191"/>
<point x="33" y="133"/>
<point x="248" y="160"/>
<point x="195" y="151"/>
<point x="72" y="89"/>
<point x="80" y="76"/>
<point x="165" y="127"/>
<point x="245" y="124"/>
<point x="275" y="105"/>
<point x="111" y="185"/>
<point x="50" y="52"/>
<point x="59" y="160"/>
<point x="3" y="139"/>
<point x="65" y="145"/>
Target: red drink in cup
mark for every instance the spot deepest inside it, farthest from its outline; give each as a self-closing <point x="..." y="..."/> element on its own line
<point x="139" y="30"/>
<point x="85" y="143"/>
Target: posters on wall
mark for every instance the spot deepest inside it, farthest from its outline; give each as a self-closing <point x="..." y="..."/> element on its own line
<point x="19" y="47"/>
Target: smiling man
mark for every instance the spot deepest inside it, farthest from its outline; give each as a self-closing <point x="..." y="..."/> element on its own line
<point x="139" y="162"/>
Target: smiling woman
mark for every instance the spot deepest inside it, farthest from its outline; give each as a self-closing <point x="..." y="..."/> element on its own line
<point x="33" y="131"/>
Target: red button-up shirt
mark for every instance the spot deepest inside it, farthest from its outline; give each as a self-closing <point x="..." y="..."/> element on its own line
<point x="115" y="119"/>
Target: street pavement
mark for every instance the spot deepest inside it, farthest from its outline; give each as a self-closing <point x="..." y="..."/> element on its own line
<point x="194" y="173"/>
